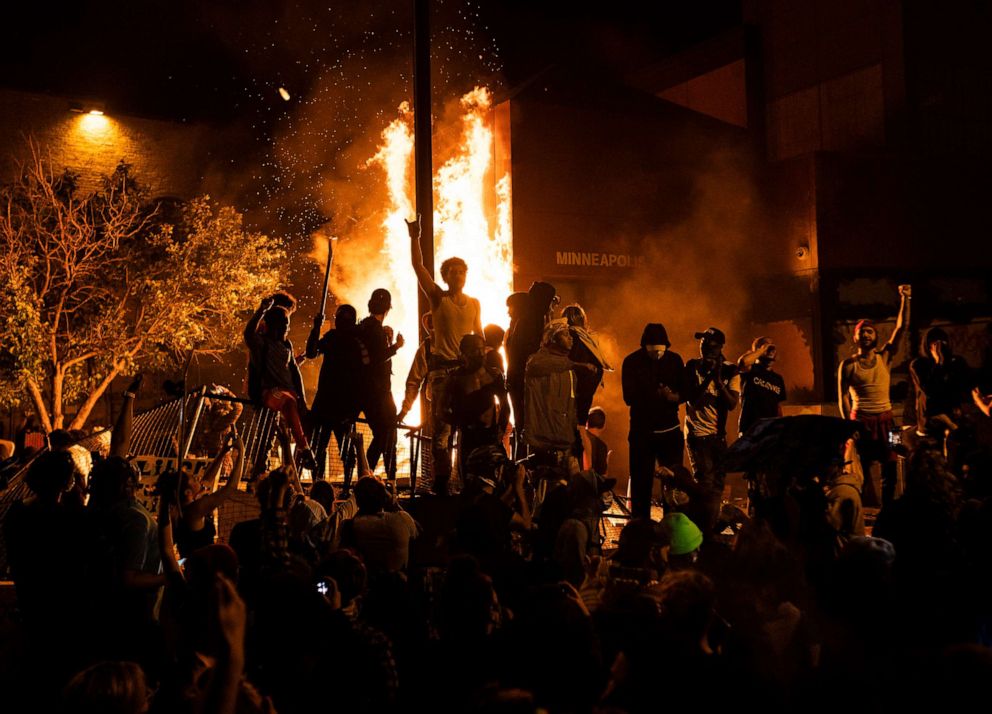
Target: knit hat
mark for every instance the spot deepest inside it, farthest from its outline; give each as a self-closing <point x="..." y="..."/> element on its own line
<point x="683" y="534"/>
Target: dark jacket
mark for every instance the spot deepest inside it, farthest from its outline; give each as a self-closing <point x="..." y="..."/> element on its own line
<point x="641" y="376"/>
<point x="380" y="368"/>
<point x="342" y="374"/>
<point x="549" y="383"/>
<point x="524" y="337"/>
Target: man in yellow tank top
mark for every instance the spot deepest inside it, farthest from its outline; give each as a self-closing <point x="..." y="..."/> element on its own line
<point x="455" y="315"/>
<point x="863" y="394"/>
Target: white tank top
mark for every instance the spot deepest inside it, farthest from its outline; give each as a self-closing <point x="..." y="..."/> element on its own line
<point x="451" y="323"/>
<point x="869" y="387"/>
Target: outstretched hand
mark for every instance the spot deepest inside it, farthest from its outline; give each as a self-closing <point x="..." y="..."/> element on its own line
<point x="413" y="228"/>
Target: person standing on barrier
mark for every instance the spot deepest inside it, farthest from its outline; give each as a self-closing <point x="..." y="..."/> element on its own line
<point x="653" y="380"/>
<point x="377" y="401"/>
<point x="551" y="427"/>
<point x="477" y="405"/>
<point x="762" y="388"/>
<point x="340" y="385"/>
<point x="274" y="378"/>
<point x="419" y="375"/>
<point x="455" y="315"/>
<point x="713" y="389"/>
<point x="863" y="395"/>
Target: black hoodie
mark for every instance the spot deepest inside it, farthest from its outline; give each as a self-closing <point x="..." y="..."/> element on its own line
<point x="641" y="376"/>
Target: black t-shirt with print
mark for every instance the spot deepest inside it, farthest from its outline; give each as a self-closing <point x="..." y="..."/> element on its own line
<point x="761" y="392"/>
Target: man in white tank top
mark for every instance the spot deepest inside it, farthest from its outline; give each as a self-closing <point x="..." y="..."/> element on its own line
<point x="863" y="394"/>
<point x="455" y="315"/>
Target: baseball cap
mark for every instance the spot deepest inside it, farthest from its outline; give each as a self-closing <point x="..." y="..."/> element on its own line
<point x="714" y="334"/>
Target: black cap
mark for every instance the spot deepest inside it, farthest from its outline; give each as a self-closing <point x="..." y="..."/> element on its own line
<point x="714" y="334"/>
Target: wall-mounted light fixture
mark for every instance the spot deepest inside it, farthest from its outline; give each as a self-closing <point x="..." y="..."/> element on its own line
<point x="97" y="109"/>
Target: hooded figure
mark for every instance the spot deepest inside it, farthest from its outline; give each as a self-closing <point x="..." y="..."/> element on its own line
<point x="653" y="387"/>
<point x="531" y="315"/>
<point x="942" y="380"/>
<point x="585" y="349"/>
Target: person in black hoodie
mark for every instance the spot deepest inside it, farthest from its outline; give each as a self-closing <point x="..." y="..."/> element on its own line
<point x="653" y="387"/>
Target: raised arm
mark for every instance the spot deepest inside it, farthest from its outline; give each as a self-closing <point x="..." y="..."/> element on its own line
<point x="313" y="339"/>
<point x="216" y="498"/>
<point x="747" y="360"/>
<point x="251" y="329"/>
<point x="902" y="320"/>
<point x="424" y="278"/>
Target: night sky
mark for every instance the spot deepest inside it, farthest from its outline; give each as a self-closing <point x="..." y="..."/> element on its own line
<point x="222" y="61"/>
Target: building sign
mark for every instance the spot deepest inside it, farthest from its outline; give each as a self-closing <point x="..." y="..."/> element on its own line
<point x="589" y="259"/>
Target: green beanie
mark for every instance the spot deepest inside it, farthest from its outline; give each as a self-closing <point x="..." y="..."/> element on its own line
<point x="684" y="535"/>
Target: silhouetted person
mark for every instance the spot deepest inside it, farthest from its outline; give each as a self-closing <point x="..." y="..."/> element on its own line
<point x="653" y="380"/>
<point x="523" y="340"/>
<point x="477" y="405"/>
<point x="586" y="349"/>
<point x="942" y="381"/>
<point x="342" y="381"/>
<point x="377" y="402"/>
<point x="762" y="389"/>
<point x="274" y="378"/>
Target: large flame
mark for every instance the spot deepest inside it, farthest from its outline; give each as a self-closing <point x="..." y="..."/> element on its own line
<point x="462" y="225"/>
<point x="471" y="221"/>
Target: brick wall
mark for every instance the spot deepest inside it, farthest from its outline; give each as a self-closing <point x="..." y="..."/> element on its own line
<point x="168" y="157"/>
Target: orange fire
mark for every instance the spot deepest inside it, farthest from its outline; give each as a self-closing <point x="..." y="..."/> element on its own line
<point x="472" y="220"/>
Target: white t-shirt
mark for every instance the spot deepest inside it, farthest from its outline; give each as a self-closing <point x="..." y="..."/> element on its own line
<point x="704" y="415"/>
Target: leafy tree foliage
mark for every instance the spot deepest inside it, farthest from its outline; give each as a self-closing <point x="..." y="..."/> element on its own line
<point x="101" y="285"/>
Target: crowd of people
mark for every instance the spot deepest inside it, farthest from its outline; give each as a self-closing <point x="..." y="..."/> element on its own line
<point x="503" y="598"/>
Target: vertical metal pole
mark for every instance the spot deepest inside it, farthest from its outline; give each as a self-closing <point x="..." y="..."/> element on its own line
<point x="423" y="160"/>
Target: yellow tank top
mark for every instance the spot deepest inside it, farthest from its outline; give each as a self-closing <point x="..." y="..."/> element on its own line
<point x="451" y="323"/>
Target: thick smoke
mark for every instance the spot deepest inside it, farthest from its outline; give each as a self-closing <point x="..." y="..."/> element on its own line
<point x="697" y="273"/>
